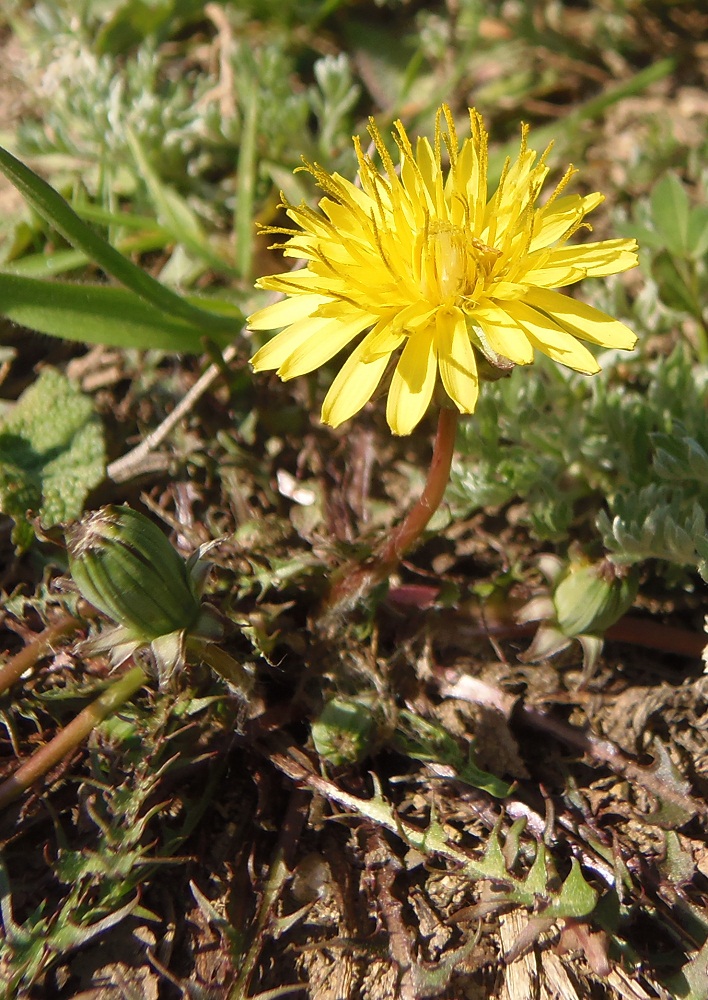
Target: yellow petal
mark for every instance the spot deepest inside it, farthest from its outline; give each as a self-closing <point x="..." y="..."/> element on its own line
<point x="382" y="340"/>
<point x="414" y="317"/>
<point x="327" y="342"/>
<point x="582" y="320"/>
<point x="555" y="276"/>
<point x="591" y="202"/>
<point x="429" y="168"/>
<point x="300" y="282"/>
<point x="560" y="216"/>
<point x="503" y="335"/>
<point x="418" y="202"/>
<point x="595" y="260"/>
<point x="412" y="383"/>
<point x="278" y="350"/>
<point x="550" y="339"/>
<point x="554" y="227"/>
<point x="458" y="368"/>
<point x="354" y="385"/>
<point x="351" y="194"/>
<point x="285" y="312"/>
<point x="508" y="290"/>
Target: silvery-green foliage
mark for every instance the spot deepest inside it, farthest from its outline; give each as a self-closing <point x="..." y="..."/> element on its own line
<point x="655" y="522"/>
<point x="91" y="100"/>
<point x="628" y="448"/>
<point x="189" y="119"/>
<point x="680" y="458"/>
<point x="332" y="100"/>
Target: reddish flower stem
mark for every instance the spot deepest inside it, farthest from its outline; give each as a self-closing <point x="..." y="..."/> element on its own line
<point x="430" y="499"/>
<point x="655" y="635"/>
<point x="352" y="583"/>
<point x="70" y="737"/>
<point x="11" y="671"/>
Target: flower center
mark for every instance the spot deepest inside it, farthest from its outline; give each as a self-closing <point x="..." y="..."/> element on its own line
<point x="454" y="264"/>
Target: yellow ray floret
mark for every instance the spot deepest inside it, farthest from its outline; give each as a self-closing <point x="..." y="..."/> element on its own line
<point x="422" y="265"/>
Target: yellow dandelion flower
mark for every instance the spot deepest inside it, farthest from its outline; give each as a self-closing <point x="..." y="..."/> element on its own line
<point x="436" y="272"/>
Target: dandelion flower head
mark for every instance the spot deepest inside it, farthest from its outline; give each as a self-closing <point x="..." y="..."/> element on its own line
<point x="437" y="274"/>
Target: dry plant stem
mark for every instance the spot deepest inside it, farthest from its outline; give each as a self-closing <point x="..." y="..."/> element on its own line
<point x="348" y="584"/>
<point x="456" y="631"/>
<point x="69" y="738"/>
<point x="15" y="667"/>
<point x="278" y="875"/>
<point x="479" y="693"/>
<point x="400" y="943"/>
<point x="656" y="635"/>
<point x="130" y="465"/>
<point x="612" y="756"/>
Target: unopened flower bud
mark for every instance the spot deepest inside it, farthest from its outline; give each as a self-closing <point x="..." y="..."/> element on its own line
<point x="342" y="732"/>
<point x="124" y="565"/>
<point x="591" y="597"/>
<point x="585" y="599"/>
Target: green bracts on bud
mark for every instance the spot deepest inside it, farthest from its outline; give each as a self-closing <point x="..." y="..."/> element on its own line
<point x="591" y="597"/>
<point x="123" y="565"/>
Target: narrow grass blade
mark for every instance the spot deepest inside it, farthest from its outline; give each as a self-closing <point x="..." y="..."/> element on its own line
<point x="59" y="214"/>
<point x="45" y="265"/>
<point x="246" y="186"/>
<point x="101" y="314"/>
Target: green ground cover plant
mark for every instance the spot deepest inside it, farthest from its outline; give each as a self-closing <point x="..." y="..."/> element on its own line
<point x="285" y="708"/>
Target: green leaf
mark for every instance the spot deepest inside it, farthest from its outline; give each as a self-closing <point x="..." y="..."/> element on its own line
<point x="59" y="214"/>
<point x="698" y="232"/>
<point x="677" y="865"/>
<point x="671" y="213"/>
<point x="246" y="182"/>
<point x="423" y="740"/>
<point x="691" y="983"/>
<point x="51" y="454"/>
<point x="576" y="898"/>
<point x="47" y="265"/>
<point x="99" y="314"/>
<point x="475" y="776"/>
<point x="673" y="289"/>
<point x="494" y="863"/>
<point x="680" y="458"/>
<point x="536" y="882"/>
<point x="646" y="238"/>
